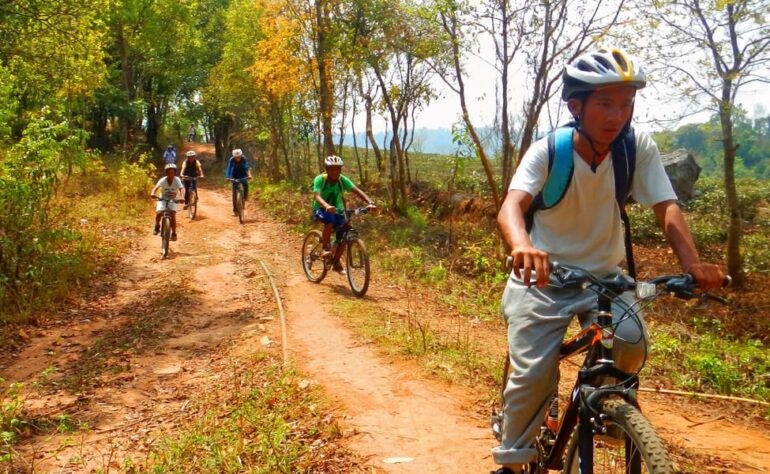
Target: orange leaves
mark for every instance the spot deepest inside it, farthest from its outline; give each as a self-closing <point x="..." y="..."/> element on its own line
<point x="277" y="66"/>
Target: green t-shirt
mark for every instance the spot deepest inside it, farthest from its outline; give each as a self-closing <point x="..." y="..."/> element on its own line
<point x="331" y="192"/>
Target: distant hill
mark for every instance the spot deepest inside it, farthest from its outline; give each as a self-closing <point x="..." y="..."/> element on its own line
<point x="431" y="140"/>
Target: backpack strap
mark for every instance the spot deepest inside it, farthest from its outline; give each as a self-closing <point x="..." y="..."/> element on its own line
<point x="623" y="167"/>
<point x="560" y="171"/>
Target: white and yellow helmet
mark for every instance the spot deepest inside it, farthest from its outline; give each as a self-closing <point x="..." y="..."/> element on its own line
<point x="332" y="160"/>
<point x="597" y="69"/>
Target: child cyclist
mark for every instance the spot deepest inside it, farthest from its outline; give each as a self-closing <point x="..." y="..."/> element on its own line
<point x="238" y="171"/>
<point x="582" y="228"/>
<point x="191" y="169"/>
<point x="169" y="185"/>
<point x="329" y="205"/>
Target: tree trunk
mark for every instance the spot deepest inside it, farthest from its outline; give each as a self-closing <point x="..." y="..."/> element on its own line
<point x="326" y="86"/>
<point x="734" y="228"/>
<point x="273" y="166"/>
<point x="344" y="113"/>
<point x="127" y="82"/>
<point x="507" y="168"/>
<point x="370" y="135"/>
<point x="452" y="29"/>
<point x="354" y="109"/>
<point x="395" y="142"/>
<point x="222" y="138"/>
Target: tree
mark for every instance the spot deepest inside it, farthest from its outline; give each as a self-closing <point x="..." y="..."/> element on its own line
<point x="713" y="48"/>
<point x="555" y="32"/>
<point x="457" y="38"/>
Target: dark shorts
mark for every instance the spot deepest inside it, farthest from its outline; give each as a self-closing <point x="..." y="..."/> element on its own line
<point x="337" y="220"/>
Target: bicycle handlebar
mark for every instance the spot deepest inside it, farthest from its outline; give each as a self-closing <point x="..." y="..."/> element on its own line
<point x="681" y="286"/>
<point x="357" y="211"/>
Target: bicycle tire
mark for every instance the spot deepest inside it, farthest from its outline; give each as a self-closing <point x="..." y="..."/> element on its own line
<point x="165" y="236"/>
<point x="358" y="262"/>
<point x="311" y="255"/>
<point x="239" y="205"/>
<point x="611" y="455"/>
<point x="192" y="207"/>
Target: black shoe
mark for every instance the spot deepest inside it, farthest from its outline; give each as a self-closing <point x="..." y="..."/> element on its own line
<point x="173" y="237"/>
<point x="156" y="231"/>
<point x="337" y="267"/>
<point x="505" y="470"/>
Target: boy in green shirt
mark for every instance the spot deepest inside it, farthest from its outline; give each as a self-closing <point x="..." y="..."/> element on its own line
<point x="329" y="205"/>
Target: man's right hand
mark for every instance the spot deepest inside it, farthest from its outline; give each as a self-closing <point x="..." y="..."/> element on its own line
<point x="527" y="259"/>
<point x="331" y="209"/>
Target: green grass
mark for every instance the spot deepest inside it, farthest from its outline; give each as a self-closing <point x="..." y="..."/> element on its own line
<point x="703" y="359"/>
<point x="460" y="265"/>
<point x="451" y="353"/>
<point x="93" y="220"/>
<point x="260" y="419"/>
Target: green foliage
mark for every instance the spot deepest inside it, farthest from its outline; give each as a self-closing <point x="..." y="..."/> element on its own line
<point x="266" y="424"/>
<point x="707" y="216"/>
<point x="711" y="362"/>
<point x="704" y="141"/>
<point x="416" y="217"/>
<point x="11" y="417"/>
<point x="34" y="247"/>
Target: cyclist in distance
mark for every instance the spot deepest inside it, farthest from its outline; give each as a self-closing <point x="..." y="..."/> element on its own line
<point x="191" y="168"/>
<point x="238" y="169"/>
<point x="583" y="227"/>
<point x="169" y="185"/>
<point x="169" y="156"/>
<point x="329" y="204"/>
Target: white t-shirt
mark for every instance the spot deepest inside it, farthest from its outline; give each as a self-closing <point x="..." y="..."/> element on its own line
<point x="585" y="228"/>
<point x="169" y="191"/>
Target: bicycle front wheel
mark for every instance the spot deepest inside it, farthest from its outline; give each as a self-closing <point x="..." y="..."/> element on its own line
<point x="239" y="205"/>
<point x="312" y="260"/>
<point x="630" y="444"/>
<point x="165" y="236"/>
<point x="192" y="207"/>
<point x="358" y="267"/>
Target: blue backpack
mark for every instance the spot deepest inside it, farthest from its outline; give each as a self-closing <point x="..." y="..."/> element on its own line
<point x="560" y="170"/>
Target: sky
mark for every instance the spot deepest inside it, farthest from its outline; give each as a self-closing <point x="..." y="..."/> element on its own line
<point x="651" y="106"/>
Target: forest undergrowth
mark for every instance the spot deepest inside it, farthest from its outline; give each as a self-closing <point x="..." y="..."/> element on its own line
<point x="455" y="261"/>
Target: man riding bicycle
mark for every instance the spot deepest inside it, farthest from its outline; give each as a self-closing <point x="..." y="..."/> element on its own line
<point x="169" y="156"/>
<point x="581" y="227"/>
<point x="169" y="185"/>
<point x="329" y="205"/>
<point x="191" y="169"/>
<point x="238" y="171"/>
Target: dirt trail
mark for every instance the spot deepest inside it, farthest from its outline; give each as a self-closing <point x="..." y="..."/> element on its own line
<point x="150" y="359"/>
<point x="394" y="413"/>
<point x="135" y="385"/>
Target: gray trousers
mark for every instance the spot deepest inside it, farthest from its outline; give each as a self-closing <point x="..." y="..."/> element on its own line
<point x="537" y="320"/>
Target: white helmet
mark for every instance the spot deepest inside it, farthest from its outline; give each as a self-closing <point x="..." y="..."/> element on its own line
<point x="237" y="152"/>
<point x="332" y="160"/>
<point x="170" y="166"/>
<point x="605" y="67"/>
<point x="190" y="153"/>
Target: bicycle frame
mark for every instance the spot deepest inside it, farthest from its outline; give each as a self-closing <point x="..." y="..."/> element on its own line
<point x="582" y="406"/>
<point x="347" y="232"/>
